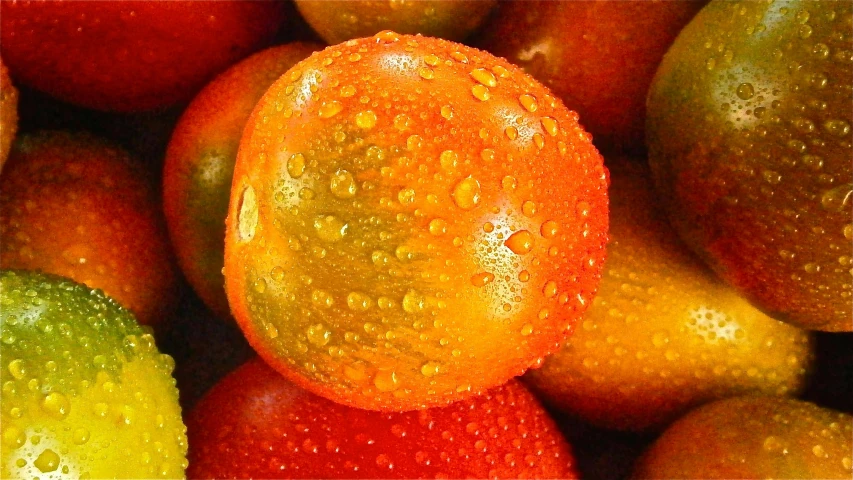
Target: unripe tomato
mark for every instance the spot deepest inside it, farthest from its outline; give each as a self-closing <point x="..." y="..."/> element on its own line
<point x="664" y="334"/>
<point x="412" y="222"/>
<point x="256" y="424"/>
<point x="8" y="113"/>
<point x="85" y="392"/>
<point x="77" y="206"/>
<point x="129" y="55"/>
<point x="753" y="437"/>
<point x="200" y="162"/>
<point x="750" y="141"/>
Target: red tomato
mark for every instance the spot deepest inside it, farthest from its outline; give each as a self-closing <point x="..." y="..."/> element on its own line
<point x="129" y="55"/>
<point x="256" y="424"/>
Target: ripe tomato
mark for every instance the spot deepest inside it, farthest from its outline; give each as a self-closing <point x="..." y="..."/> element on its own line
<point x="664" y="334"/>
<point x="750" y="141"/>
<point x="412" y="222"/>
<point x="76" y="206"/>
<point x="753" y="437"/>
<point x="338" y="21"/>
<point x="598" y="56"/>
<point x="200" y="163"/>
<point x="256" y="424"/>
<point x="8" y="113"/>
<point x="85" y="392"/>
<point x="129" y="55"/>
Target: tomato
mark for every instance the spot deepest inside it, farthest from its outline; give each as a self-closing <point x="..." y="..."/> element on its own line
<point x="750" y="143"/>
<point x="76" y="206"/>
<point x="8" y="112"/>
<point x="85" y="392"/>
<point x="753" y="437"/>
<point x="256" y="424"/>
<point x="412" y="222"/>
<point x="338" y="21"/>
<point x="200" y="162"/>
<point x="129" y="55"/>
<point x="598" y="56"/>
<point x="664" y="334"/>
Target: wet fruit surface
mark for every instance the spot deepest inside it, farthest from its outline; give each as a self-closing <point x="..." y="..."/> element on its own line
<point x="8" y="113"/>
<point x="129" y="55"/>
<point x="338" y="21"/>
<point x="200" y="164"/>
<point x="85" y="392"/>
<point x="256" y="424"/>
<point x="750" y="140"/>
<point x="598" y="56"/>
<point x="77" y="206"/>
<point x="664" y="334"/>
<point x="753" y="437"/>
<point x="412" y="221"/>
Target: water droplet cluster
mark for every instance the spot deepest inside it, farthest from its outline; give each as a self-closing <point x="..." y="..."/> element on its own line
<point x="85" y="393"/>
<point x="399" y="232"/>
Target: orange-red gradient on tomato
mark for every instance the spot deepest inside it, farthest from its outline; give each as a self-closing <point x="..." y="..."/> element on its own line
<point x="76" y="206"/>
<point x="200" y="162"/>
<point x="256" y="424"/>
<point x="129" y="55"/>
<point x="8" y="113"/>
<point x="598" y="56"/>
<point x="412" y="222"/>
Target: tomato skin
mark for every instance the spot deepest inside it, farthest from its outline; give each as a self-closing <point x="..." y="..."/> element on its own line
<point x="85" y="392"/>
<point x="388" y="227"/>
<point x="8" y="112"/>
<point x="750" y="144"/>
<point x="77" y="206"/>
<point x="256" y="424"/>
<point x="130" y="55"/>
<point x="598" y="56"/>
<point x="200" y="163"/>
<point x="664" y="334"/>
<point x="753" y="437"/>
<point x="339" y="21"/>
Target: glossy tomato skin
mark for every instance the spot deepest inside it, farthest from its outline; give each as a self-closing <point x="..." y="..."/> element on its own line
<point x="664" y="334"/>
<point x="412" y="221"/>
<point x="256" y="424"/>
<point x="200" y="163"/>
<point x="85" y="392"/>
<point x="129" y="55"/>
<point x="753" y="437"/>
<point x="338" y="21"/>
<point x="750" y="143"/>
<point x="598" y="56"/>
<point x="77" y="206"/>
<point x="8" y="112"/>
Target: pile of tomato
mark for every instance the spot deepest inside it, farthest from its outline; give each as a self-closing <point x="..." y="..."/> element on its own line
<point x="426" y="239"/>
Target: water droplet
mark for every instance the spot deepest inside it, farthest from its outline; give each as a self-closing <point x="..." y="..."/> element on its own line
<point x="437" y="226"/>
<point x="17" y="369"/>
<point x="247" y="219"/>
<point x="550" y="289"/>
<point x="528" y="102"/>
<point x="426" y="73"/>
<point x="520" y="242"/>
<point x="549" y="229"/>
<point x="550" y="126"/>
<point x="509" y="183"/>
<point x="318" y="334"/>
<point x="56" y="404"/>
<point x="818" y="451"/>
<point x="511" y="133"/>
<point x="745" y="91"/>
<point x="330" y="109"/>
<point x="447" y="112"/>
<point x="413" y="302"/>
<point x="296" y="165"/>
<point x="526" y="329"/>
<point x="466" y="194"/>
<point x="386" y="381"/>
<point x="366" y="119"/>
<point x="772" y="444"/>
<point x="330" y="228"/>
<point x="482" y="279"/>
<point x="485" y="77"/>
<point x="837" y="199"/>
<point x="47" y="461"/>
<point x="481" y="92"/>
<point x="528" y="208"/>
<point x="430" y="369"/>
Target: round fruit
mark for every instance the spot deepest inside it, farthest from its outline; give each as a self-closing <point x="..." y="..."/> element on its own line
<point x="256" y="424"/>
<point x="200" y="162"/>
<point x="412" y="221"/>
<point x="598" y="56"/>
<point x="8" y="113"/>
<point x="338" y="21"/>
<point x="750" y="141"/>
<point x="753" y="437"/>
<point x="129" y="55"/>
<point x="76" y="206"/>
<point x="664" y="334"/>
<point x="85" y="392"/>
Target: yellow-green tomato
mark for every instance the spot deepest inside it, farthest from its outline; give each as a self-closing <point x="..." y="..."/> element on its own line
<point x="753" y="437"/>
<point x="664" y="334"/>
<point x="749" y="134"/>
<point x="85" y="393"/>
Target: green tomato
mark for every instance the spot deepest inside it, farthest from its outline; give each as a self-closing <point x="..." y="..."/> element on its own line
<point x="85" y="392"/>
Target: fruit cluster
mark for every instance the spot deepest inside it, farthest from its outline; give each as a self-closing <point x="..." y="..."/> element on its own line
<point x="230" y="251"/>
